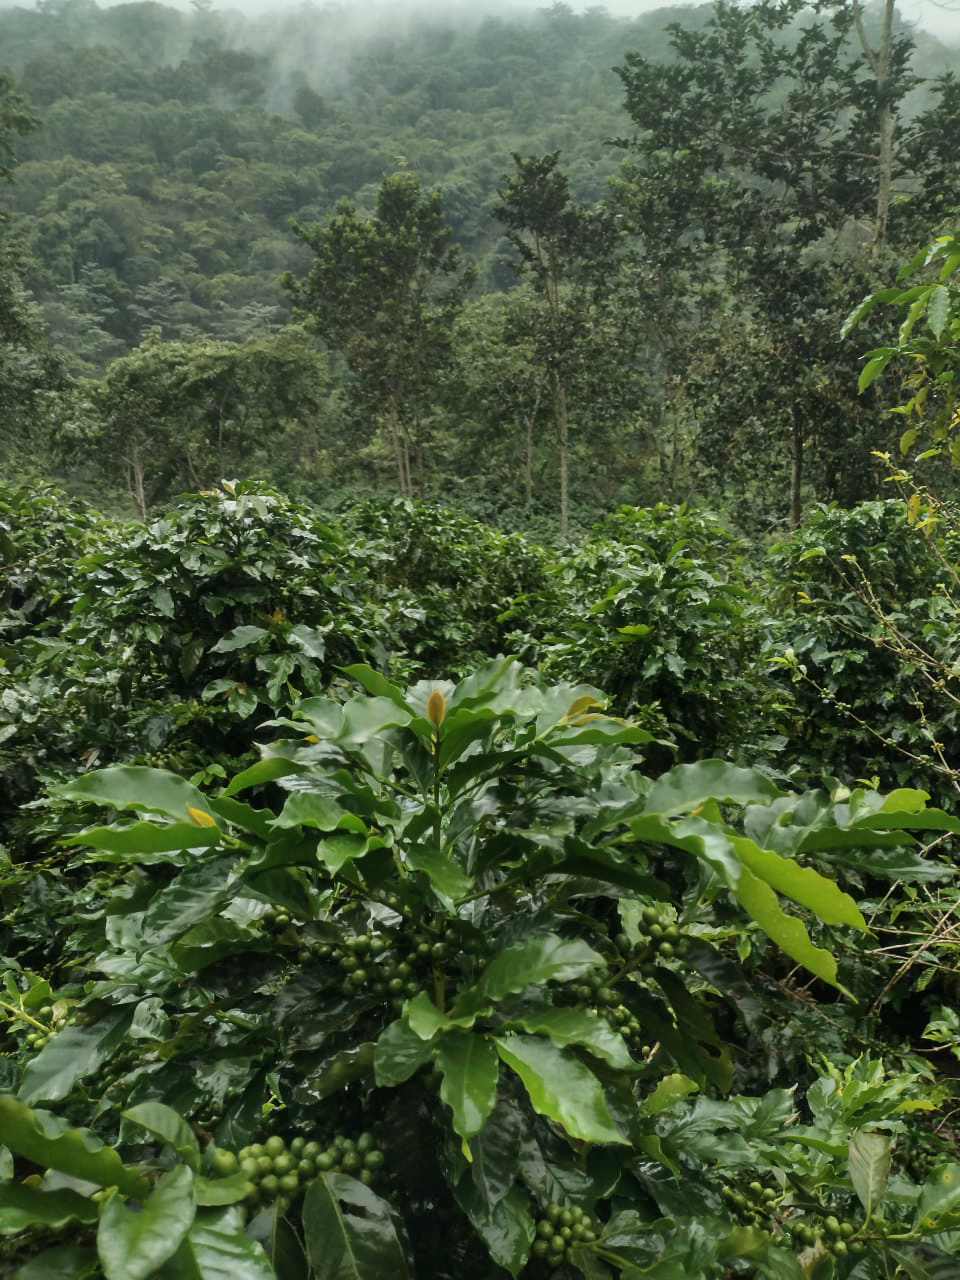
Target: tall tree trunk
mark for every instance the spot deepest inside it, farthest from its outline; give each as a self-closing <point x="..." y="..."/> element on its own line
<point x="531" y="419"/>
<point x="563" y="437"/>
<point x="796" y="473"/>
<point x="884" y="181"/>
<point x="401" y="454"/>
<point x="880" y="61"/>
<point x="528" y="462"/>
<point x="135" y="483"/>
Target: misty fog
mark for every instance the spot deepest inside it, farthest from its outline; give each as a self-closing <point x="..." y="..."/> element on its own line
<point x="940" y="17"/>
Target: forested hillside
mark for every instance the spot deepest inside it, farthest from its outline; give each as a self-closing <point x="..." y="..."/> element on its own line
<point x="155" y="210"/>
<point x="479" y="666"/>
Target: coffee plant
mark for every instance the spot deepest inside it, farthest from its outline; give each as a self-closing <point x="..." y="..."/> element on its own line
<point x="447" y="982"/>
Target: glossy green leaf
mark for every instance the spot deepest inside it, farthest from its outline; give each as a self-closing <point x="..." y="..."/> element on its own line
<point x="425" y="1019"/>
<point x="695" y="1027"/>
<point x="462" y="729"/>
<point x="131" y="786"/>
<point x="207" y="943"/>
<point x="688" y="786"/>
<point x="217" y="1248"/>
<point x="588" y="1264"/>
<point x="399" y="1054"/>
<point x="308" y="809"/>
<point x="336" y="851"/>
<point x="924" y="1262"/>
<point x="547" y="958"/>
<point x="447" y="878"/>
<point x="149" y="837"/>
<point x="73" y="1054"/>
<point x="789" y="933"/>
<point x="169" y="1127"/>
<point x="668" y="1092"/>
<point x="337" y="1072"/>
<point x="601" y="863"/>
<point x="239" y="638"/>
<point x="267" y="770"/>
<point x="909" y="820"/>
<point x="52" y="1144"/>
<point x="214" y="1192"/>
<point x="873" y="368"/>
<point x="198" y="893"/>
<point x="24" y="1207"/>
<point x="346" y="1245"/>
<point x="281" y="1244"/>
<point x="506" y="1228"/>
<point x="598" y="731"/>
<point x="496" y="1152"/>
<point x="133" y="1244"/>
<point x="376" y="685"/>
<point x="804" y="885"/>
<point x="565" y="1026"/>
<point x="258" y="822"/>
<point x="940" y="1193"/>
<point x="560" y="1087"/>
<point x="365" y="718"/>
<point x="870" y="1167"/>
<point x="62" y="1262"/>
<point x="718" y="848"/>
<point x="470" y="1069"/>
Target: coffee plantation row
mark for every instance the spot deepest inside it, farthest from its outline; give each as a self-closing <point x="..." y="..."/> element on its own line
<point x="391" y="897"/>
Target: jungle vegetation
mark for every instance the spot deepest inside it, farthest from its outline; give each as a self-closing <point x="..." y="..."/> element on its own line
<point x="479" y="735"/>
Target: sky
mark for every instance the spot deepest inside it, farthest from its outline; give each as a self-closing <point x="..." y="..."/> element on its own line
<point x="941" y="17"/>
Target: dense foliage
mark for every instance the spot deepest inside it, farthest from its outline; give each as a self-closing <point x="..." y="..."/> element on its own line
<point x="382" y="894"/>
<point x="374" y="955"/>
<point x="518" y="297"/>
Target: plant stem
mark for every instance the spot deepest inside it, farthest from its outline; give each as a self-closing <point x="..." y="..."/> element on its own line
<point x="18" y="1013"/>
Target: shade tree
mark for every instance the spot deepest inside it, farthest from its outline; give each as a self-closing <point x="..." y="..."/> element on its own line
<point x="383" y="292"/>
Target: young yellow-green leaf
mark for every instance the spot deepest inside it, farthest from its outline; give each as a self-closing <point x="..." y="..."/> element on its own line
<point x="561" y="1087"/>
<point x="167" y="1125"/>
<point x="804" y="885"/>
<point x="350" y="1246"/>
<point x="872" y="369"/>
<point x="425" y="1019"/>
<point x="789" y="933"/>
<point x="547" y="958"/>
<point x="48" y="1141"/>
<point x="133" y="1244"/>
<point x="470" y="1069"/>
<point x="669" y="1091"/>
<point x="869" y="1167"/>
